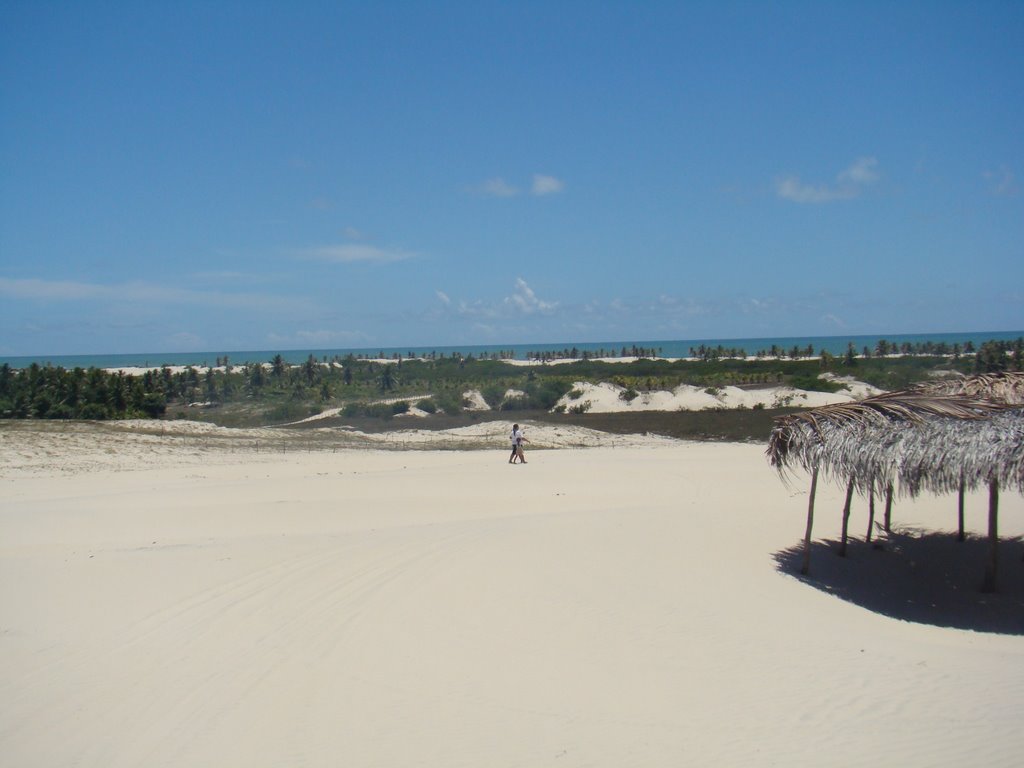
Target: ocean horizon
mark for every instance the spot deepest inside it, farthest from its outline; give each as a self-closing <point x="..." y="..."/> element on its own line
<point x="672" y="348"/>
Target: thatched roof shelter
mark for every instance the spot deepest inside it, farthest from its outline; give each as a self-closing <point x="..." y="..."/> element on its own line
<point x="924" y="440"/>
<point x="1003" y="387"/>
<point x="867" y="440"/>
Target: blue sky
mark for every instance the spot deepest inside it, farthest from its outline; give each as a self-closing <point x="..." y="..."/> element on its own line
<point x="254" y="175"/>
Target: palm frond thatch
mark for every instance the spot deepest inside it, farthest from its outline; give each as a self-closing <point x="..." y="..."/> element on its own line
<point x="1003" y="387"/>
<point x="940" y="455"/>
<point x="925" y="441"/>
<point x="836" y="434"/>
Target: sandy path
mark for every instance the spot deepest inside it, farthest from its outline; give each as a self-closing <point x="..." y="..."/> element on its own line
<point x="608" y="607"/>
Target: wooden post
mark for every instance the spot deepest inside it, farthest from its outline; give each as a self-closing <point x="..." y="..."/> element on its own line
<point x="888" y="508"/>
<point x="992" y="569"/>
<point x="960" y="512"/>
<point x="871" y="510"/>
<point x="846" y="517"/>
<point x="805" y="569"/>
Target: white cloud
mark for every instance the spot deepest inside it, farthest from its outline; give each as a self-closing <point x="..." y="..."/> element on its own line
<point x="525" y="300"/>
<point x="318" y="339"/>
<point x="497" y="187"/>
<point x="863" y="171"/>
<point x="849" y="183"/>
<point x="54" y="290"/>
<point x="540" y="186"/>
<point x="476" y="309"/>
<point x="792" y="188"/>
<point x="349" y="253"/>
<point x="185" y="341"/>
<point x="231" y="279"/>
<point x="832" y="320"/>
<point x="222" y="274"/>
<point x="137" y="292"/>
<point x="321" y="337"/>
<point x="546" y="185"/>
<point x="487" y="332"/>
<point x="1001" y="182"/>
<point x="757" y="305"/>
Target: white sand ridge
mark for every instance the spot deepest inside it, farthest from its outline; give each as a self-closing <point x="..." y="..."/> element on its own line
<point x="607" y="397"/>
<point x="41" y="447"/>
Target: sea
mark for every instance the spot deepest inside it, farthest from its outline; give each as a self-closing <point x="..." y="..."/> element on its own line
<point x="836" y="345"/>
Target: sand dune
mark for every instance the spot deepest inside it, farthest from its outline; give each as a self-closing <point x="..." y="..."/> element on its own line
<point x="165" y="604"/>
<point x="607" y="397"/>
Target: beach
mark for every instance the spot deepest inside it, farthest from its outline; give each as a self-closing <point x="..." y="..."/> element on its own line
<point x="185" y="595"/>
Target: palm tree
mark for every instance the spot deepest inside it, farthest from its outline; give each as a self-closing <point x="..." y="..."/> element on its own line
<point x="277" y="367"/>
<point x="387" y="379"/>
<point x="310" y="368"/>
<point x="255" y="376"/>
<point x="211" y="386"/>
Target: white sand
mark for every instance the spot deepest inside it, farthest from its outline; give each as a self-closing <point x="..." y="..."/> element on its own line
<point x="606" y="397"/>
<point x="168" y="602"/>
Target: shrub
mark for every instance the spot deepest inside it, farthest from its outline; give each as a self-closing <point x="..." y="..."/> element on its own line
<point x="520" y="403"/>
<point x="493" y="394"/>
<point x="427" y="406"/>
<point x="629" y="395"/>
<point x="450" y="403"/>
<point x="61" y="411"/>
<point x="812" y="383"/>
<point x="581" y="408"/>
<point x="154" y="404"/>
<point x="95" y="412"/>
<point x="290" y="411"/>
<point x="545" y="395"/>
<point x="381" y="410"/>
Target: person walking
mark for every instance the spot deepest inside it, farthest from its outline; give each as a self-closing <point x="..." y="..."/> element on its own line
<point x="514" y="437"/>
<point x="520" y="439"/>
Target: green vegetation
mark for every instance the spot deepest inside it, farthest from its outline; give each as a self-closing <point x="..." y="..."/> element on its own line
<point x="55" y="393"/>
<point x="275" y="393"/>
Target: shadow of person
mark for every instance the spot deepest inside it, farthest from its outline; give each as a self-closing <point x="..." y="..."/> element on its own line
<point x="918" y="576"/>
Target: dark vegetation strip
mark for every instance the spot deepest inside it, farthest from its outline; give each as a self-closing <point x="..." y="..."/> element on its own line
<point x="275" y="393"/>
<point x="733" y="425"/>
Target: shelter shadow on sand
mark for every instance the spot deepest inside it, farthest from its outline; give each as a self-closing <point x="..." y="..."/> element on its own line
<point x="920" y="576"/>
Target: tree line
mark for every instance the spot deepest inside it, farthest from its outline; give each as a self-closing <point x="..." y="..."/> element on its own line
<point x="280" y="391"/>
<point x="47" y="392"/>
